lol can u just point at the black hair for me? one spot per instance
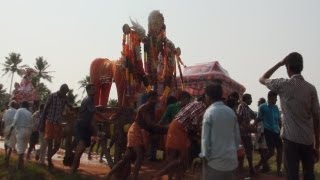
(246, 96)
(171, 100)
(214, 91)
(272, 94)
(89, 86)
(294, 62)
(261, 101)
(64, 87)
(25, 104)
(234, 94)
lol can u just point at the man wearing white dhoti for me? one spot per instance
(23, 125)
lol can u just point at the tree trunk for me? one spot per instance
(11, 83)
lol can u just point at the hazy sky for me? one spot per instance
(247, 37)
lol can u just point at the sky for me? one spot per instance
(247, 37)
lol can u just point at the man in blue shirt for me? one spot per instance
(86, 126)
(269, 114)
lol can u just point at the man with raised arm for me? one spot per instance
(300, 107)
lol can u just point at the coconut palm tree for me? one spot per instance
(83, 83)
(11, 66)
(41, 67)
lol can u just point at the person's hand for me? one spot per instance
(283, 62)
(316, 155)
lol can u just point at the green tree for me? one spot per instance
(113, 103)
(11, 66)
(43, 92)
(4, 97)
(83, 83)
(72, 98)
(41, 67)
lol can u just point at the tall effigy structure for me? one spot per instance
(129, 73)
(156, 69)
(159, 54)
(25, 91)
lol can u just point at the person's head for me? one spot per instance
(247, 98)
(90, 88)
(234, 95)
(233, 99)
(152, 97)
(294, 63)
(213, 92)
(261, 101)
(25, 104)
(16, 85)
(64, 89)
(184, 98)
(272, 97)
(14, 104)
(171, 100)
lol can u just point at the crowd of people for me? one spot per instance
(211, 127)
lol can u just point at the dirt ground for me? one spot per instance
(98, 170)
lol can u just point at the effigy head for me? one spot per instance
(138, 28)
(126, 29)
(155, 23)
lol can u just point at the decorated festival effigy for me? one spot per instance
(148, 62)
(25, 91)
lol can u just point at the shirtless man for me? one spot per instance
(138, 138)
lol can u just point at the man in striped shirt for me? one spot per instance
(245, 115)
(51, 119)
(186, 122)
(300, 107)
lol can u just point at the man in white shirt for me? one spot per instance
(220, 137)
(23, 125)
(9, 143)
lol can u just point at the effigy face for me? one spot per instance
(160, 54)
(155, 23)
